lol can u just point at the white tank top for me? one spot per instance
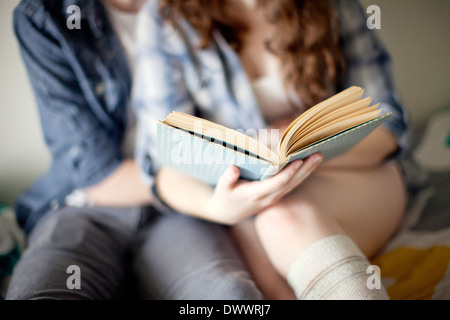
(274, 101)
(124, 24)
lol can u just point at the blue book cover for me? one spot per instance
(207, 160)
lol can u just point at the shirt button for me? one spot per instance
(54, 204)
(100, 89)
(110, 54)
(74, 152)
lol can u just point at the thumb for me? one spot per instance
(229, 177)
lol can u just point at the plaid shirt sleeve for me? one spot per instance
(369, 66)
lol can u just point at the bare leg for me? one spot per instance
(367, 205)
(269, 281)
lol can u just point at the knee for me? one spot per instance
(62, 229)
(287, 214)
(34, 279)
(213, 282)
(239, 287)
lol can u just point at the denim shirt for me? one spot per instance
(172, 73)
(82, 85)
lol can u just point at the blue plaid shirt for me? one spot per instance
(173, 75)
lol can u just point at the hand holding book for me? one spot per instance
(234, 200)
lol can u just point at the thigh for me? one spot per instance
(180, 257)
(367, 204)
(95, 240)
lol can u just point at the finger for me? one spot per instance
(229, 178)
(260, 189)
(308, 167)
(310, 164)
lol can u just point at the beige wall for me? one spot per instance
(415, 31)
(417, 34)
(23, 156)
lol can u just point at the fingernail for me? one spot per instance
(297, 164)
(318, 161)
(234, 173)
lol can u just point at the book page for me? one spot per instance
(229, 136)
(346, 97)
(333, 119)
(333, 129)
(361, 105)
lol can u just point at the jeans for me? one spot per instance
(132, 253)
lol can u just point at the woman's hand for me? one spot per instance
(234, 200)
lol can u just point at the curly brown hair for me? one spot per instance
(306, 38)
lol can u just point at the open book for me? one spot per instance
(204, 150)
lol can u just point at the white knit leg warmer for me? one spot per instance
(333, 268)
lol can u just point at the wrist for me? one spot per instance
(213, 210)
(209, 207)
